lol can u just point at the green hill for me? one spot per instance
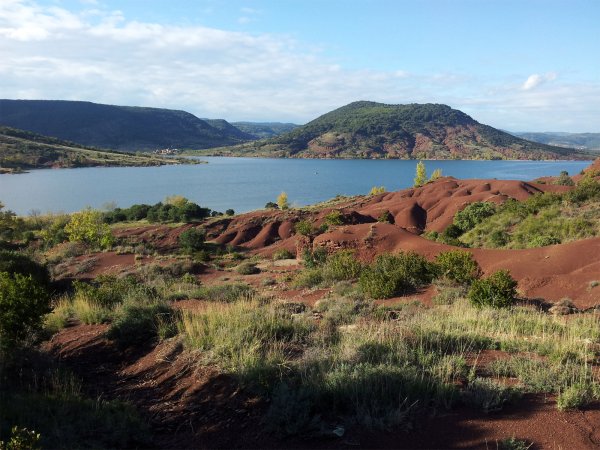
(418, 131)
(116, 127)
(21, 150)
(263, 130)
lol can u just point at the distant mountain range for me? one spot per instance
(580, 141)
(419, 131)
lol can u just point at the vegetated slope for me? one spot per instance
(21, 150)
(115, 127)
(230, 129)
(419, 131)
(263, 130)
(580, 141)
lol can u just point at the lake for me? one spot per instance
(243, 184)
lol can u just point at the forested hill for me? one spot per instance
(117, 127)
(21, 150)
(420, 131)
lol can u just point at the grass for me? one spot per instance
(51, 403)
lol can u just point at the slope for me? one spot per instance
(414, 131)
(115, 127)
(21, 150)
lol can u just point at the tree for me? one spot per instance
(87, 226)
(421, 174)
(437, 173)
(282, 201)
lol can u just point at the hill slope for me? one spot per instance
(20, 150)
(116, 127)
(580, 141)
(418, 131)
(263, 130)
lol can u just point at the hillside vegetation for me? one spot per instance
(117, 127)
(22, 150)
(263, 130)
(418, 131)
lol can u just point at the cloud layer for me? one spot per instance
(102, 56)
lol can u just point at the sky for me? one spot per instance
(518, 65)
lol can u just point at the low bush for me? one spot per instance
(308, 278)
(304, 227)
(283, 254)
(340, 266)
(498, 290)
(574, 396)
(488, 395)
(14, 262)
(398, 274)
(192, 240)
(137, 323)
(23, 304)
(334, 218)
(247, 268)
(315, 258)
(458, 266)
(473, 214)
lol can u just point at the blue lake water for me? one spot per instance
(243, 184)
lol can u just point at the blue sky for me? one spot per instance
(518, 65)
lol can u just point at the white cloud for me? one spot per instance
(532, 81)
(102, 56)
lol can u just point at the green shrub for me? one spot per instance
(514, 444)
(137, 323)
(23, 304)
(22, 439)
(385, 217)
(303, 227)
(543, 241)
(14, 262)
(308, 278)
(458, 265)
(574, 396)
(498, 290)
(392, 275)
(587, 189)
(247, 268)
(192, 240)
(315, 258)
(488, 395)
(88, 226)
(283, 254)
(473, 214)
(334, 218)
(340, 266)
(564, 179)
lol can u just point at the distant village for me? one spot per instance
(167, 151)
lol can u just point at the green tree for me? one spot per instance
(282, 201)
(437, 173)
(88, 226)
(421, 174)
